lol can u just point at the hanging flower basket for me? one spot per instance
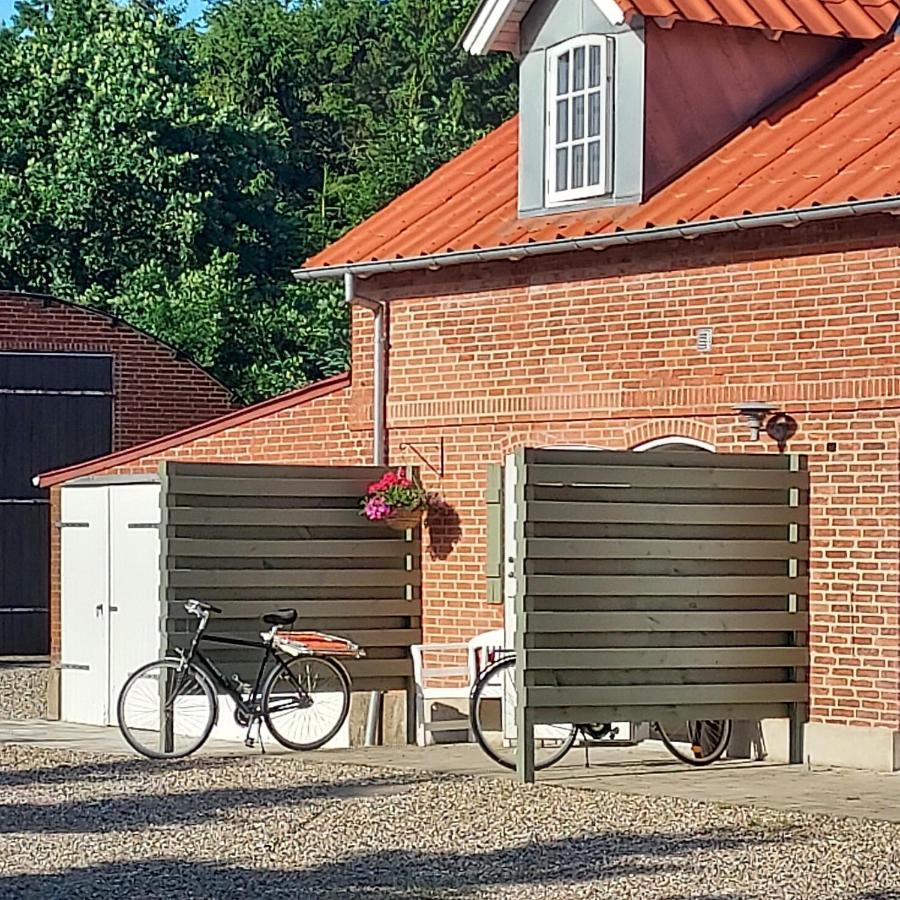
(397, 501)
(401, 519)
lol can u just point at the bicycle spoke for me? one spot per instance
(306, 702)
(492, 715)
(166, 710)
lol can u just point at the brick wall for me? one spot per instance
(317, 432)
(600, 349)
(155, 392)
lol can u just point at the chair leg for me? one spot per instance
(420, 720)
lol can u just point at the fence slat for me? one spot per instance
(265, 470)
(308, 609)
(293, 517)
(631, 548)
(658, 713)
(657, 458)
(671, 585)
(639, 695)
(537, 623)
(250, 578)
(366, 637)
(665, 513)
(667, 658)
(667, 477)
(318, 549)
(272, 487)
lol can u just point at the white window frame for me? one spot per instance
(607, 62)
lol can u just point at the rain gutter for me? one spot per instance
(514, 252)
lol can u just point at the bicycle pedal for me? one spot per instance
(249, 742)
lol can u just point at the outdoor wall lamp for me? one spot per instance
(778, 425)
(755, 412)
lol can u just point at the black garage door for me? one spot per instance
(55, 410)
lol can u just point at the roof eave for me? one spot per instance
(687, 231)
(288, 400)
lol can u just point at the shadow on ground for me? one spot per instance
(398, 873)
(137, 811)
(110, 770)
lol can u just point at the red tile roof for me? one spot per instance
(297, 397)
(852, 18)
(833, 142)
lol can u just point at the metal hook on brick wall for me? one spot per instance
(418, 451)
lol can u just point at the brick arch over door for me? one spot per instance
(674, 442)
(672, 430)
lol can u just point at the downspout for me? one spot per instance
(379, 444)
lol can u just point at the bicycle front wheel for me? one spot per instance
(699, 743)
(305, 701)
(492, 713)
(167, 709)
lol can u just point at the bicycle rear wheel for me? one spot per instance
(706, 741)
(166, 709)
(492, 716)
(305, 701)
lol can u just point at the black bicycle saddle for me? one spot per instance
(280, 617)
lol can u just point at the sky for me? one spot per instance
(194, 9)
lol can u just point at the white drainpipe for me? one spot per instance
(379, 444)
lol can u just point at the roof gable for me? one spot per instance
(834, 142)
(495, 23)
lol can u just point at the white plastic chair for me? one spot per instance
(479, 652)
(484, 649)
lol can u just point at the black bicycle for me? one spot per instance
(168, 707)
(492, 705)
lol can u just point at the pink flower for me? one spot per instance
(376, 509)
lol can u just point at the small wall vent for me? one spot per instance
(704, 339)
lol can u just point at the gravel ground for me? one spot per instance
(76, 826)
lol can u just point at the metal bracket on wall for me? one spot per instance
(420, 449)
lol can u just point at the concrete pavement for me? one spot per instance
(643, 770)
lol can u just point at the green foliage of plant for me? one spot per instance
(174, 174)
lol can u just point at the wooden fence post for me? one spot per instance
(524, 716)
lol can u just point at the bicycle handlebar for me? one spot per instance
(196, 606)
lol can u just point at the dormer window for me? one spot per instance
(579, 104)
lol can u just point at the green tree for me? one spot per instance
(174, 175)
(371, 96)
(122, 186)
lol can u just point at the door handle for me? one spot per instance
(114, 609)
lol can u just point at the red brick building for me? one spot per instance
(156, 389)
(74, 382)
(696, 208)
(757, 207)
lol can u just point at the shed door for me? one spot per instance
(134, 631)
(55, 410)
(85, 595)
